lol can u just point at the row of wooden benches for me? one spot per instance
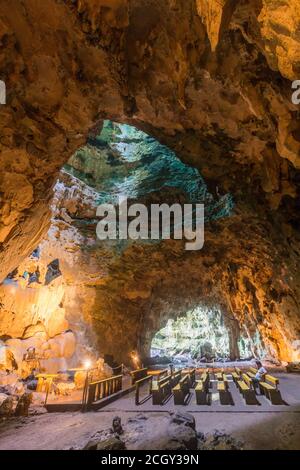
(179, 385)
(244, 382)
(268, 386)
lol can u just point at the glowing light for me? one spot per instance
(135, 359)
(87, 364)
(12, 290)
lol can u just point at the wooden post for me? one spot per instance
(137, 394)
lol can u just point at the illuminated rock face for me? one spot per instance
(200, 333)
(211, 81)
(115, 296)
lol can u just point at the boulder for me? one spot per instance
(219, 440)
(181, 437)
(23, 404)
(19, 388)
(6, 404)
(293, 367)
(111, 443)
(183, 418)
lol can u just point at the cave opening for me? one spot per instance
(204, 334)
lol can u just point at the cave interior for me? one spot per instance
(174, 102)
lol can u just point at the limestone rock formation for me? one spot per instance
(226, 109)
(6, 405)
(212, 80)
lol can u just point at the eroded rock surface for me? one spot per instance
(114, 296)
(176, 432)
(210, 79)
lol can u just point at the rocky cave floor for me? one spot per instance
(238, 427)
(154, 431)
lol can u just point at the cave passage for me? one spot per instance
(201, 335)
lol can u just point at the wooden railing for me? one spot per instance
(162, 374)
(138, 374)
(138, 385)
(118, 370)
(95, 391)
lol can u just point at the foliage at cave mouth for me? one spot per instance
(200, 334)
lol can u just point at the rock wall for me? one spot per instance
(114, 298)
(226, 109)
(210, 79)
(39, 304)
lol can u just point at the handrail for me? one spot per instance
(138, 374)
(99, 389)
(121, 367)
(164, 372)
(158, 375)
(138, 370)
(139, 383)
(95, 382)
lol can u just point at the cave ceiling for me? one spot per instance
(209, 79)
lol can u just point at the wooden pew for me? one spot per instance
(201, 393)
(181, 390)
(247, 380)
(192, 374)
(252, 372)
(235, 377)
(237, 374)
(175, 377)
(202, 389)
(219, 375)
(138, 374)
(205, 380)
(224, 394)
(270, 390)
(161, 390)
(244, 385)
(139, 383)
(274, 380)
(162, 373)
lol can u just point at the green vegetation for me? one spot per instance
(201, 332)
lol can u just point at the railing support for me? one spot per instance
(94, 391)
(138, 385)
